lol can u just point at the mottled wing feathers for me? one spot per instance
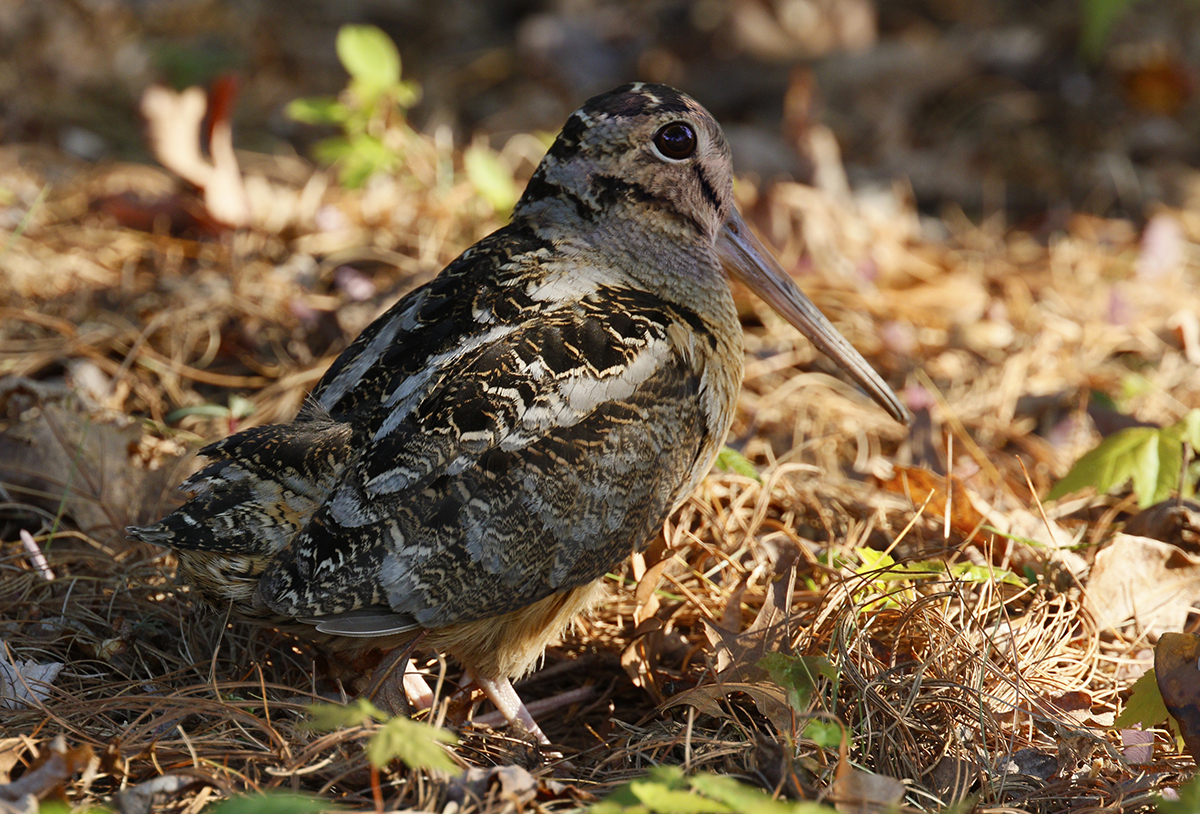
(519, 473)
(402, 354)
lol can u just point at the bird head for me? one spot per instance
(648, 158)
(644, 152)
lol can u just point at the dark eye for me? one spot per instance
(676, 140)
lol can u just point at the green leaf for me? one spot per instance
(903, 572)
(328, 717)
(621, 800)
(1150, 456)
(406, 94)
(824, 733)
(730, 460)
(400, 738)
(659, 798)
(490, 177)
(358, 157)
(1099, 16)
(985, 574)
(414, 743)
(1189, 429)
(873, 560)
(317, 110)
(332, 150)
(739, 796)
(665, 790)
(1145, 705)
(797, 675)
(370, 57)
(272, 803)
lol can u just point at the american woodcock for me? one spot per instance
(476, 461)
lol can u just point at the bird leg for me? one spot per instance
(501, 693)
(544, 706)
(416, 688)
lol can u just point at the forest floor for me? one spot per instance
(973, 639)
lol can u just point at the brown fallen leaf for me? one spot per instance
(1147, 582)
(1177, 669)
(739, 654)
(935, 492)
(1173, 521)
(859, 792)
(177, 215)
(57, 455)
(25, 683)
(49, 772)
(174, 125)
(768, 697)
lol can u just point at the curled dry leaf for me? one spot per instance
(1177, 669)
(1173, 521)
(174, 122)
(49, 772)
(938, 496)
(55, 453)
(739, 655)
(859, 792)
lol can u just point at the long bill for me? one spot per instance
(745, 257)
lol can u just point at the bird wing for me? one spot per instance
(508, 465)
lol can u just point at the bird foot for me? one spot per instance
(501, 693)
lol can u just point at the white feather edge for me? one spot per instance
(363, 623)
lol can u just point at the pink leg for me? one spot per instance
(416, 688)
(510, 705)
(544, 706)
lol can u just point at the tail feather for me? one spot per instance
(260, 492)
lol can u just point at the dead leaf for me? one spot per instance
(935, 493)
(739, 654)
(859, 792)
(174, 122)
(953, 777)
(1034, 763)
(1144, 581)
(1137, 746)
(640, 657)
(25, 683)
(142, 798)
(1177, 669)
(10, 755)
(768, 697)
(1173, 521)
(57, 455)
(49, 772)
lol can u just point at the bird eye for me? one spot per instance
(676, 140)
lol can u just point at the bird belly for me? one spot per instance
(509, 645)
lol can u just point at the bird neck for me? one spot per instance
(629, 247)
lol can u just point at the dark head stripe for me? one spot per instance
(638, 99)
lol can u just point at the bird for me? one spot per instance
(472, 465)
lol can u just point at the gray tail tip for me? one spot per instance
(144, 534)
